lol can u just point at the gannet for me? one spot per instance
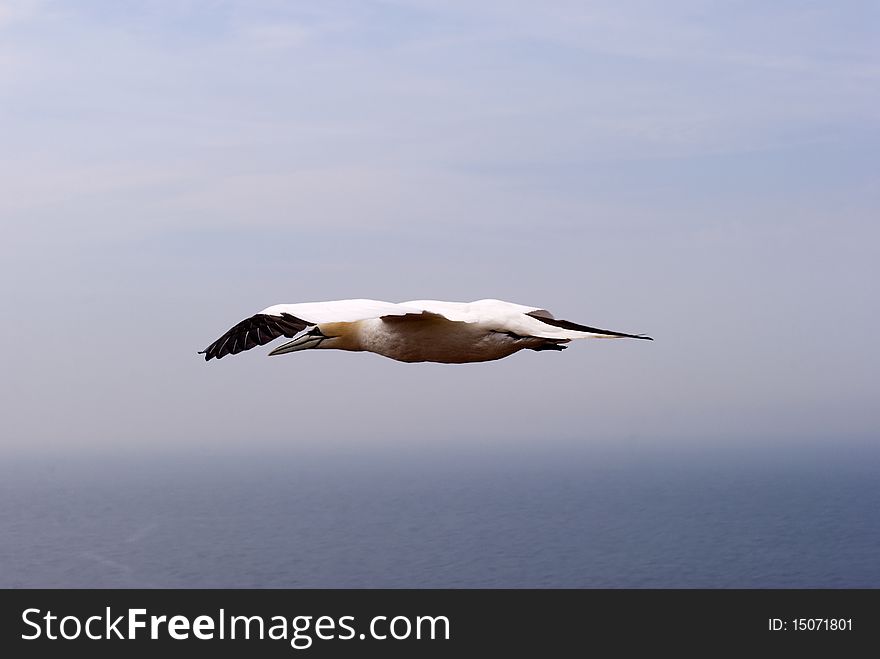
(414, 331)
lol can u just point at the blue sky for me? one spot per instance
(704, 172)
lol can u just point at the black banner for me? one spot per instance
(431, 622)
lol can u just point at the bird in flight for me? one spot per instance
(416, 331)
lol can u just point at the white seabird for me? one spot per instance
(415, 331)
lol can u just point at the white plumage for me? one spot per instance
(415, 331)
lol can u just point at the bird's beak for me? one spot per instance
(309, 338)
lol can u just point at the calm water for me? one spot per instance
(561, 516)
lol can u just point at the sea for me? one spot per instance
(529, 514)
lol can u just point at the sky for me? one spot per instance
(704, 172)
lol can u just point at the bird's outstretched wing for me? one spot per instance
(475, 312)
(341, 311)
(290, 319)
(257, 330)
(517, 318)
(576, 327)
